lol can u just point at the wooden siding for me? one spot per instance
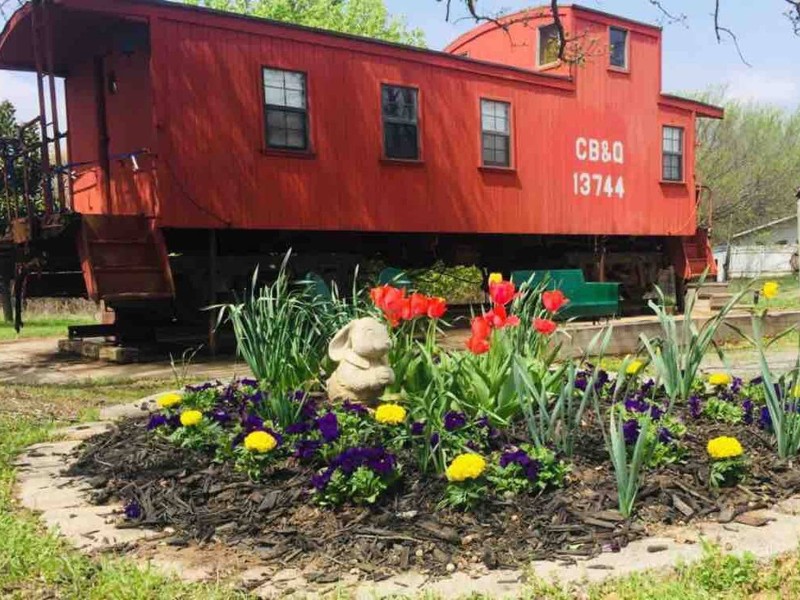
(211, 169)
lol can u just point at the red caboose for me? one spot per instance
(201, 142)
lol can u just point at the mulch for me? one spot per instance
(277, 524)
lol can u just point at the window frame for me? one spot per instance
(539, 63)
(627, 66)
(510, 135)
(681, 154)
(417, 122)
(307, 149)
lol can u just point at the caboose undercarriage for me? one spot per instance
(152, 278)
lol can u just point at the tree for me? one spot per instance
(369, 18)
(791, 12)
(750, 160)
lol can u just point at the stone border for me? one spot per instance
(63, 504)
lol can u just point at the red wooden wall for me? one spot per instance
(208, 166)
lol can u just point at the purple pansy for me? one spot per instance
(133, 510)
(156, 421)
(764, 418)
(328, 426)
(417, 428)
(520, 457)
(747, 408)
(695, 408)
(219, 415)
(298, 428)
(665, 436)
(630, 430)
(306, 449)
(355, 407)
(454, 420)
(376, 459)
(252, 422)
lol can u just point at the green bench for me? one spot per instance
(394, 277)
(586, 298)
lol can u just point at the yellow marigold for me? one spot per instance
(770, 289)
(724, 447)
(796, 391)
(390, 414)
(190, 418)
(634, 367)
(495, 277)
(169, 400)
(719, 379)
(260, 441)
(466, 466)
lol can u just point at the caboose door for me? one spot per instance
(128, 107)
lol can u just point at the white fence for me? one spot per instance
(756, 261)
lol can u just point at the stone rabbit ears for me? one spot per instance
(341, 346)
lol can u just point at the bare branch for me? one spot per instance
(719, 30)
(670, 17)
(562, 38)
(793, 14)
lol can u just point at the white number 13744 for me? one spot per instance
(595, 184)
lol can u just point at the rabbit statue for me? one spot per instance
(361, 348)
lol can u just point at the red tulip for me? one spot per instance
(393, 299)
(498, 317)
(544, 326)
(436, 307)
(553, 300)
(419, 305)
(501, 292)
(477, 345)
(480, 328)
(378, 295)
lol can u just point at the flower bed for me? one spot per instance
(495, 455)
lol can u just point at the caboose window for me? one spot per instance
(548, 45)
(286, 109)
(400, 132)
(618, 47)
(496, 133)
(672, 154)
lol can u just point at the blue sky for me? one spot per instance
(693, 60)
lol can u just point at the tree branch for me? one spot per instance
(719, 30)
(670, 17)
(793, 14)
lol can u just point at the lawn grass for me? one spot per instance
(35, 563)
(41, 326)
(788, 293)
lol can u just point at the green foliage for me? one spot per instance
(482, 383)
(368, 18)
(727, 472)
(464, 495)
(750, 159)
(628, 471)
(512, 480)
(253, 464)
(782, 403)
(282, 337)
(459, 284)
(676, 355)
(723, 411)
(551, 403)
(17, 178)
(205, 435)
(363, 486)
